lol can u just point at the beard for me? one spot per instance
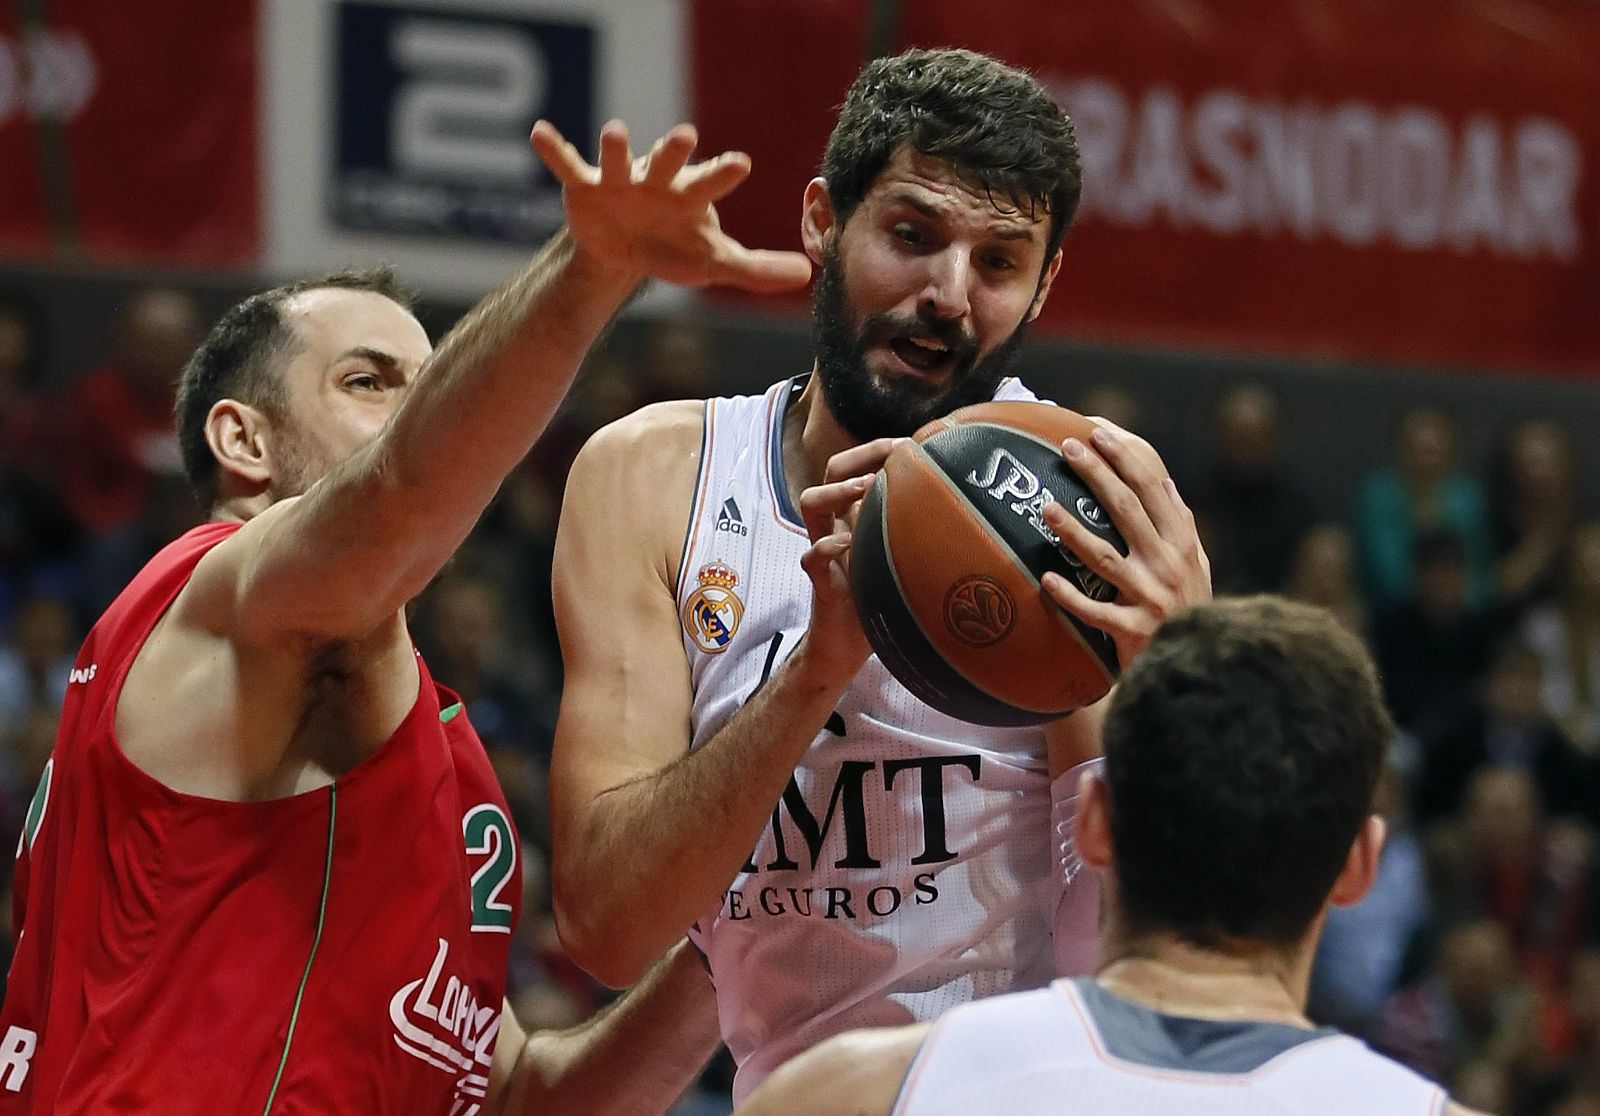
(293, 473)
(895, 406)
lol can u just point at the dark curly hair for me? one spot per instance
(240, 358)
(1243, 749)
(994, 124)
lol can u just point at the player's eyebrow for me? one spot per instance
(387, 361)
(935, 213)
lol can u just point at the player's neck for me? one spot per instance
(811, 435)
(1174, 977)
(240, 507)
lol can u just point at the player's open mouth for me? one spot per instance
(927, 356)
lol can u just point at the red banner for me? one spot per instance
(128, 134)
(1415, 183)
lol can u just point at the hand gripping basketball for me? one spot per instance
(834, 643)
(655, 216)
(1165, 569)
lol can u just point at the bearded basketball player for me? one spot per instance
(739, 763)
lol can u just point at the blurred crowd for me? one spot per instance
(1476, 585)
(1475, 959)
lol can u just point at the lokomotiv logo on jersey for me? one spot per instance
(438, 1020)
(712, 613)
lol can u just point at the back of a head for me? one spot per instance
(1242, 753)
(997, 126)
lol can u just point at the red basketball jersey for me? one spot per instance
(339, 951)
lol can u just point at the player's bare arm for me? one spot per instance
(633, 1058)
(855, 1074)
(646, 833)
(364, 542)
(308, 594)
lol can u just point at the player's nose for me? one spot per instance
(945, 293)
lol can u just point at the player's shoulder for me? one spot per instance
(656, 437)
(858, 1071)
(1344, 1074)
(641, 469)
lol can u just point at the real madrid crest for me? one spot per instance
(712, 613)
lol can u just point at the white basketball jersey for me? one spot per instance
(907, 868)
(1074, 1047)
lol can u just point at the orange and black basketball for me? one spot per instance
(948, 553)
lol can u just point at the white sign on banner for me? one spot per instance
(397, 130)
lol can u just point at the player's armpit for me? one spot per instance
(633, 1058)
(855, 1074)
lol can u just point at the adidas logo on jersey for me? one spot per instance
(730, 520)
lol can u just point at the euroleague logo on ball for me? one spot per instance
(978, 611)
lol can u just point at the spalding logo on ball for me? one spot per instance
(948, 553)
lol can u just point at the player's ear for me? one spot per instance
(1045, 279)
(817, 219)
(1361, 865)
(1091, 825)
(240, 439)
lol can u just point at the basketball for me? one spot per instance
(949, 550)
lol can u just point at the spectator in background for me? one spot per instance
(1485, 1087)
(25, 418)
(462, 631)
(1433, 646)
(1364, 946)
(677, 360)
(1569, 1057)
(1115, 405)
(34, 667)
(121, 436)
(1565, 633)
(1502, 860)
(1471, 1015)
(38, 538)
(1504, 725)
(1533, 508)
(1253, 517)
(1323, 572)
(520, 526)
(1422, 491)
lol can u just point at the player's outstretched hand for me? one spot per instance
(655, 216)
(834, 642)
(1165, 569)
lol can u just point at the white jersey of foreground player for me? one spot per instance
(907, 868)
(1075, 1047)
